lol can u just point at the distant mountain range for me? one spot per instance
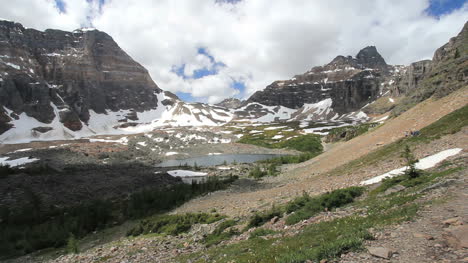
(63, 85)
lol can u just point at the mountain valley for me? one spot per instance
(85, 133)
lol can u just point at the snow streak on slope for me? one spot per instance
(422, 164)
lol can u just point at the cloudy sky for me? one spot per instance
(207, 50)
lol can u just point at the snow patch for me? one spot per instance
(422, 164)
(16, 162)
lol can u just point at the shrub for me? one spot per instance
(259, 219)
(305, 207)
(172, 224)
(297, 203)
(220, 233)
(257, 172)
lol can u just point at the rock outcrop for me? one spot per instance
(230, 103)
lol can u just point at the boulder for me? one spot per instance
(381, 252)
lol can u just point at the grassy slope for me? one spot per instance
(448, 124)
(330, 239)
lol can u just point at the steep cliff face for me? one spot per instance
(75, 71)
(59, 84)
(409, 78)
(447, 72)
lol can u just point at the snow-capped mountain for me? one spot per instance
(60, 85)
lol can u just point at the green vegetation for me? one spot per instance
(172, 224)
(317, 241)
(407, 181)
(449, 124)
(257, 172)
(259, 219)
(310, 145)
(149, 201)
(348, 132)
(411, 161)
(305, 143)
(72, 245)
(260, 232)
(33, 227)
(221, 233)
(328, 239)
(265, 170)
(306, 207)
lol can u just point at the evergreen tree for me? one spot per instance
(411, 161)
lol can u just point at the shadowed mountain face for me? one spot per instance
(73, 71)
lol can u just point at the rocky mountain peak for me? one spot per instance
(369, 57)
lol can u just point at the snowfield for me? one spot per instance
(185, 173)
(422, 164)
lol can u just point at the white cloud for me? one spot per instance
(259, 41)
(44, 14)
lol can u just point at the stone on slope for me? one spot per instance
(380, 252)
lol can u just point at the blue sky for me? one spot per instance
(442, 7)
(203, 72)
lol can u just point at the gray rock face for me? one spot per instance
(411, 77)
(230, 103)
(349, 82)
(42, 73)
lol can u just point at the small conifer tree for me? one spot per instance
(411, 161)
